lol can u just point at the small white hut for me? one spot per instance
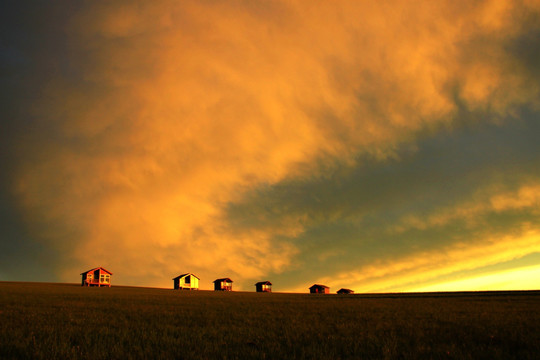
(186, 282)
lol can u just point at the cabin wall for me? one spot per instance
(181, 283)
(263, 288)
(104, 278)
(194, 282)
(318, 290)
(87, 277)
(223, 286)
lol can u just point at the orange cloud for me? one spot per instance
(177, 108)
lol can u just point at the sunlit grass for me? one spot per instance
(50, 321)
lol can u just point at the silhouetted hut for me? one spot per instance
(263, 286)
(224, 284)
(186, 282)
(319, 289)
(345, 291)
(96, 277)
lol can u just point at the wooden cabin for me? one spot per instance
(186, 282)
(96, 277)
(319, 289)
(224, 284)
(263, 286)
(345, 291)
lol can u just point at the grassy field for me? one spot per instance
(64, 321)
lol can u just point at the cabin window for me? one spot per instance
(89, 276)
(105, 278)
(187, 280)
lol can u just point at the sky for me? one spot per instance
(383, 146)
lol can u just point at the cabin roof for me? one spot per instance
(264, 283)
(99, 267)
(184, 275)
(318, 285)
(223, 279)
(345, 290)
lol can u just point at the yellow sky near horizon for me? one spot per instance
(514, 279)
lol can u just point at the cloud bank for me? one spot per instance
(241, 139)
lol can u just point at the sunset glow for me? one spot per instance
(376, 146)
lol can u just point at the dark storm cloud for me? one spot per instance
(348, 212)
(32, 52)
